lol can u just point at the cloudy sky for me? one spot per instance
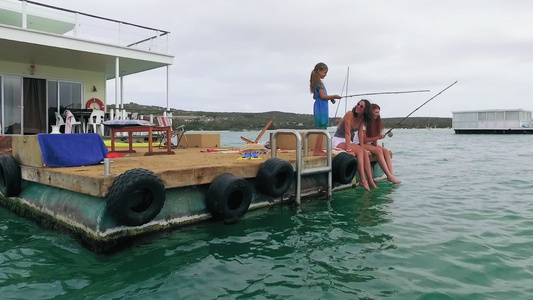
(257, 55)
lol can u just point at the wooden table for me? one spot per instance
(131, 129)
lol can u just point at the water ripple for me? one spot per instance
(458, 227)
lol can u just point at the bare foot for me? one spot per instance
(365, 185)
(373, 184)
(320, 153)
(393, 180)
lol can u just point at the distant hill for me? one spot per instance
(238, 121)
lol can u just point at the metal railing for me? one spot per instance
(299, 157)
(65, 22)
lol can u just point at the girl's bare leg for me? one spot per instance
(348, 149)
(388, 159)
(319, 146)
(360, 153)
(378, 151)
(368, 169)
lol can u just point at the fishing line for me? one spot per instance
(343, 85)
(378, 93)
(389, 133)
(382, 93)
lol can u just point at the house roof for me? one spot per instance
(51, 37)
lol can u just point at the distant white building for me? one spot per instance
(515, 121)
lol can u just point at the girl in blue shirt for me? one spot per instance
(320, 109)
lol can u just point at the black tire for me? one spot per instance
(274, 177)
(136, 197)
(10, 177)
(344, 167)
(228, 197)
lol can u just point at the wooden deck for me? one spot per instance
(187, 167)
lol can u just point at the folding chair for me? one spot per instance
(179, 132)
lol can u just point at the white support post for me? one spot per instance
(117, 81)
(168, 84)
(24, 15)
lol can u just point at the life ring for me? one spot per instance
(95, 102)
(136, 197)
(228, 197)
(274, 177)
(343, 168)
(10, 176)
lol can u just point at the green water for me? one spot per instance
(459, 226)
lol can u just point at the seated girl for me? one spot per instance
(353, 122)
(373, 134)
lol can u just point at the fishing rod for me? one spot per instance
(389, 133)
(377, 93)
(382, 93)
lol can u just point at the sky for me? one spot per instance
(257, 55)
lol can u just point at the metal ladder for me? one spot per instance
(299, 170)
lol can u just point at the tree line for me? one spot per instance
(238, 121)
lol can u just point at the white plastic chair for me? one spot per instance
(59, 120)
(71, 124)
(96, 119)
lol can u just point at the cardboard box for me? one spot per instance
(201, 140)
(288, 141)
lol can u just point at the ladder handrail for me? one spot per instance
(299, 173)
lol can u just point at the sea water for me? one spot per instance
(459, 226)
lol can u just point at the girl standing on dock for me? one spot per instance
(383, 155)
(320, 109)
(353, 123)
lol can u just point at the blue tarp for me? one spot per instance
(72, 150)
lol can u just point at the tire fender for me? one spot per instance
(228, 197)
(343, 168)
(10, 176)
(274, 177)
(136, 197)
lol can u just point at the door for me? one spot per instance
(34, 112)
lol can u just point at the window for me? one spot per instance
(70, 94)
(11, 105)
(64, 94)
(511, 115)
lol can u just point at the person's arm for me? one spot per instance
(362, 133)
(347, 132)
(323, 95)
(374, 139)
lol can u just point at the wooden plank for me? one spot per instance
(263, 131)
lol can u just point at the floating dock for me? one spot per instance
(106, 205)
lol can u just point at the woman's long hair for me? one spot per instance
(368, 114)
(315, 79)
(377, 126)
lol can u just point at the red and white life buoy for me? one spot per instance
(95, 103)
